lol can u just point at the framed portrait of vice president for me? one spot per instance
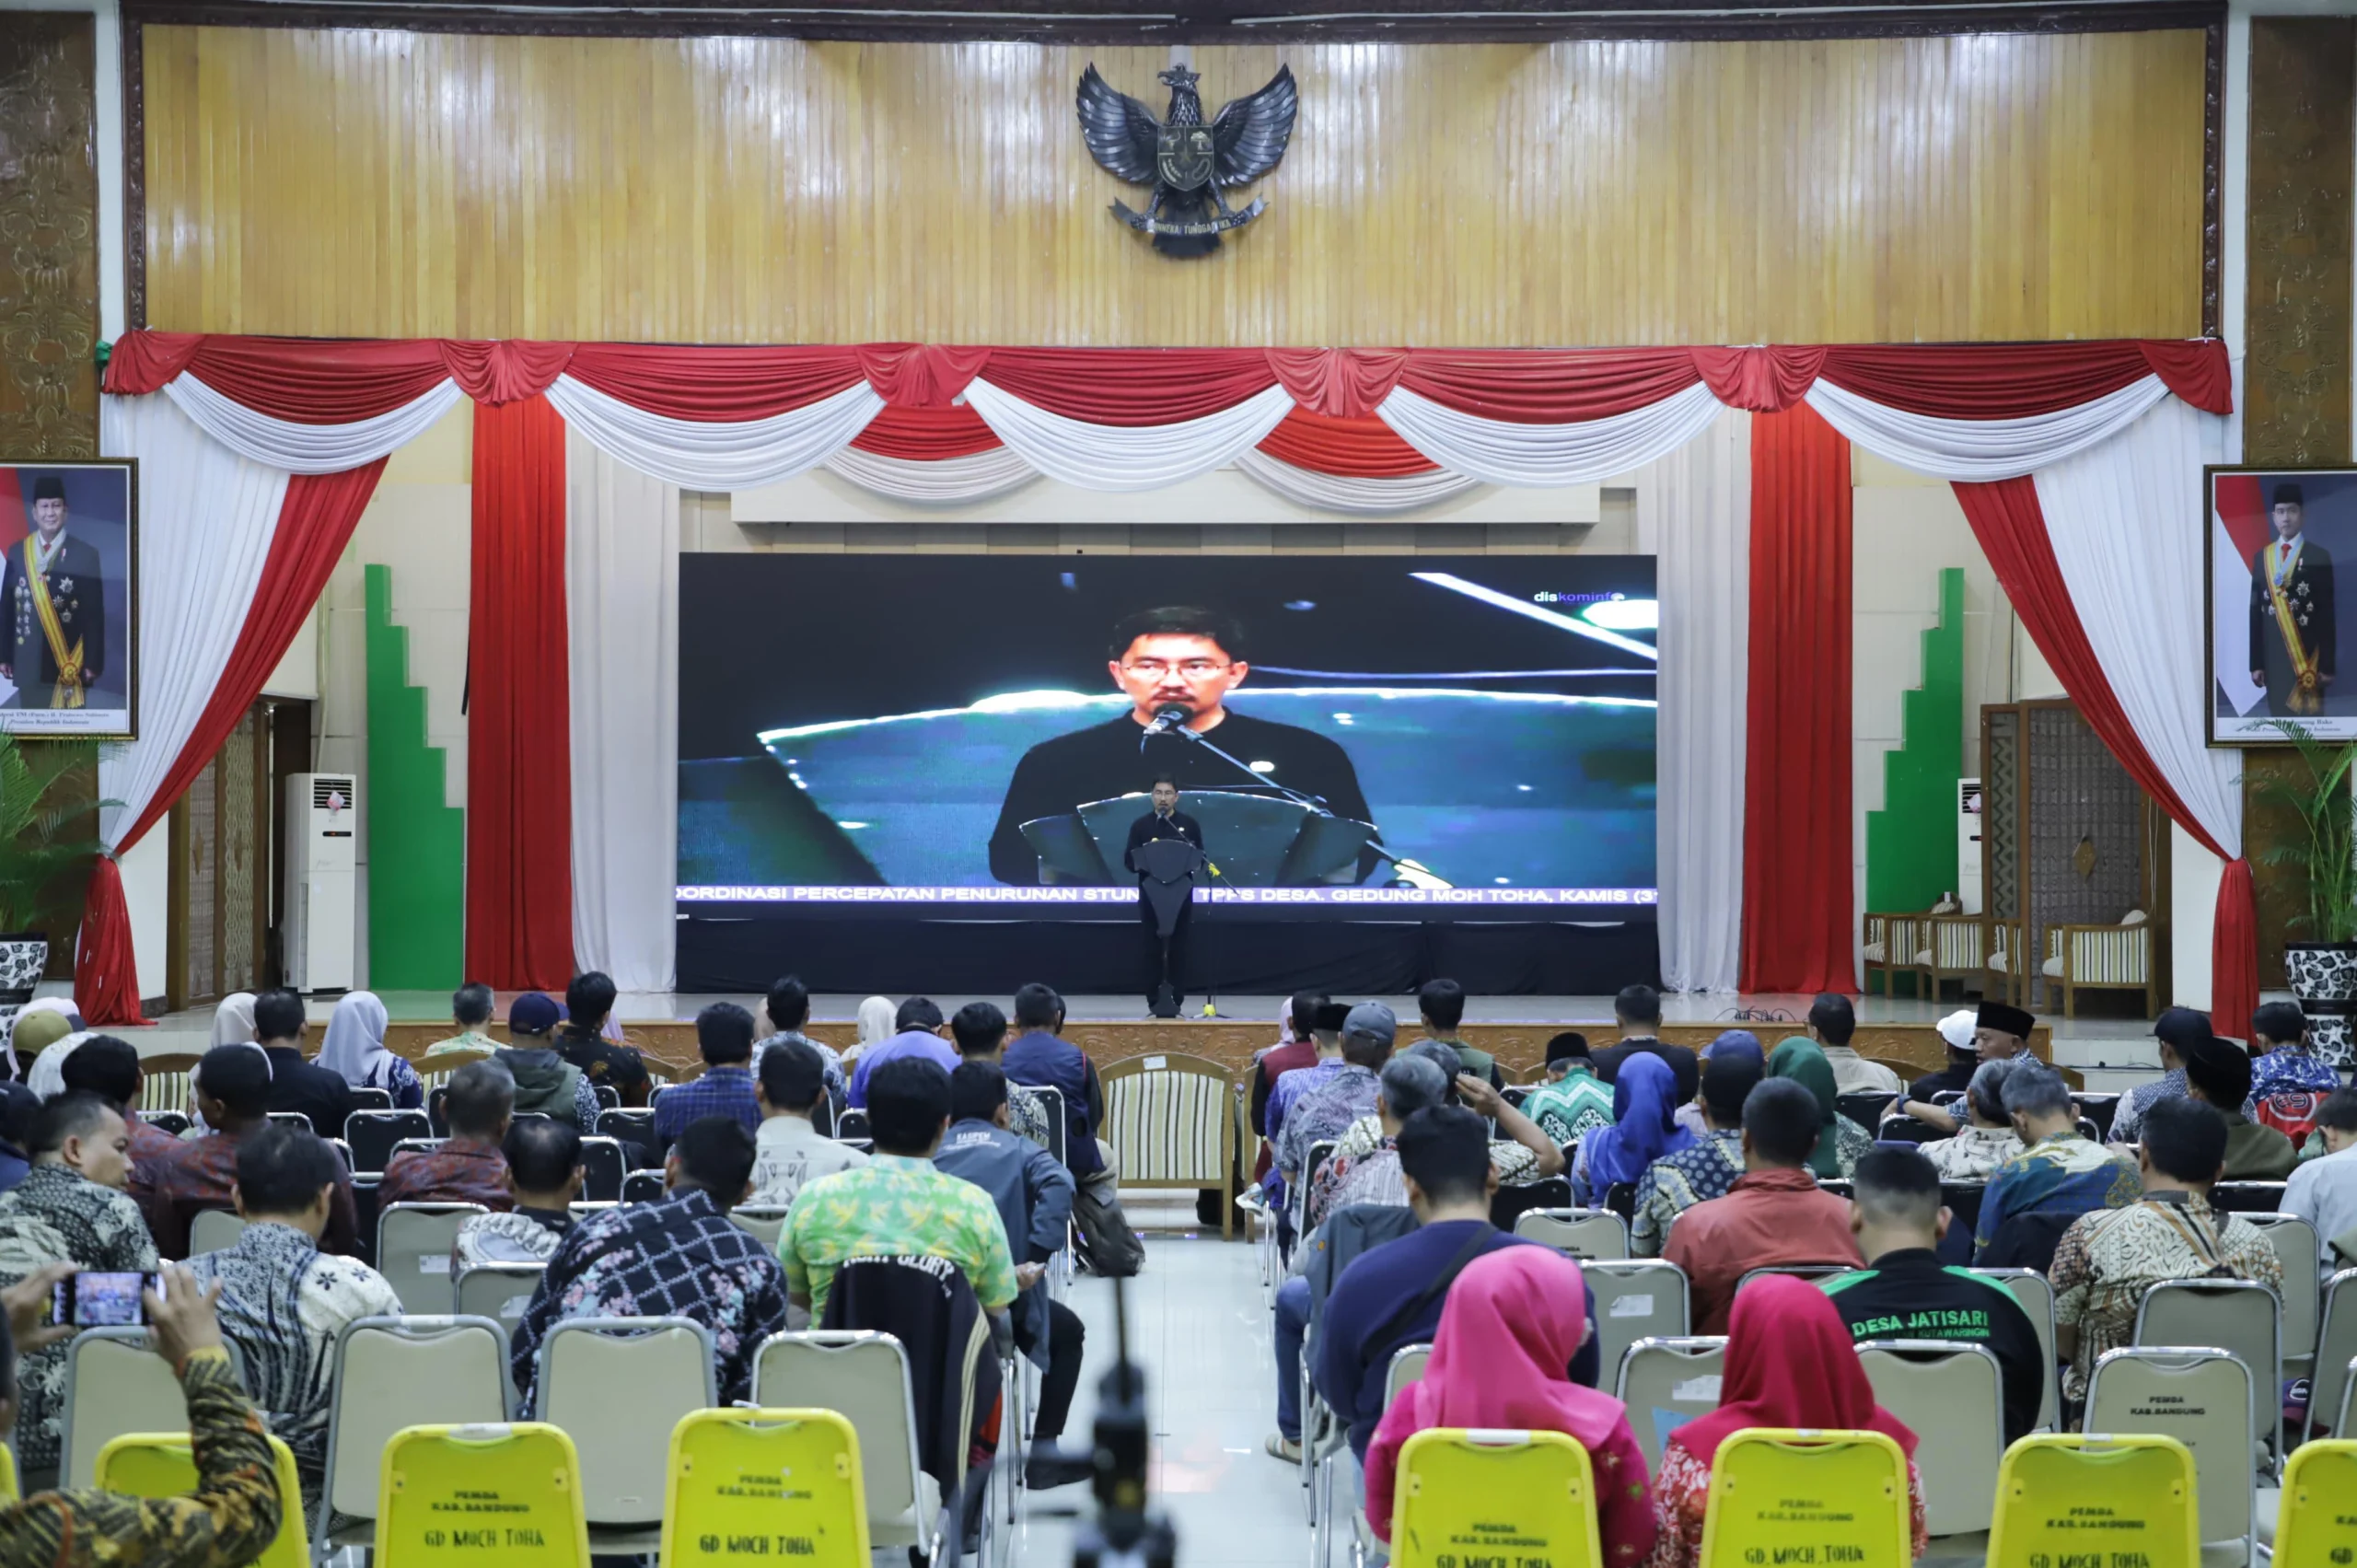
(69, 597)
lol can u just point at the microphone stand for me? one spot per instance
(1316, 803)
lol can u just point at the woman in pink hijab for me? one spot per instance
(1512, 1322)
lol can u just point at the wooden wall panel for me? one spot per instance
(49, 236)
(762, 190)
(2304, 89)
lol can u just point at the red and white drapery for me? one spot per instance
(2038, 438)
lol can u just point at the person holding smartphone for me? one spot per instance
(71, 1208)
(233, 1515)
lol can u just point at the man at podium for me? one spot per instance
(1165, 821)
(1178, 657)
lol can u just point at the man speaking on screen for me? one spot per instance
(1176, 657)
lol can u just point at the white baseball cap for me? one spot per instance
(1956, 1028)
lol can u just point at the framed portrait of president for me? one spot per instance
(69, 598)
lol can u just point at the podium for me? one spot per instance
(1167, 868)
(1257, 840)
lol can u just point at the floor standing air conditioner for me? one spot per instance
(322, 857)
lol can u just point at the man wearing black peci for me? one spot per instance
(1165, 821)
(1179, 658)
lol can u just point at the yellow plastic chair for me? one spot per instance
(2063, 1495)
(9, 1489)
(1773, 1491)
(2313, 1526)
(507, 1494)
(161, 1464)
(1527, 1496)
(782, 1483)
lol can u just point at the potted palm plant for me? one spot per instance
(46, 809)
(2322, 970)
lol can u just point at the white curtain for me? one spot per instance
(621, 572)
(1342, 492)
(1983, 449)
(2125, 520)
(1503, 452)
(1120, 458)
(945, 481)
(1694, 517)
(308, 449)
(697, 455)
(206, 518)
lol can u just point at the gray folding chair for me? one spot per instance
(1667, 1383)
(1585, 1234)
(2335, 1348)
(763, 1224)
(414, 1242)
(865, 1377)
(1953, 1395)
(1636, 1298)
(2036, 1299)
(213, 1230)
(2295, 1244)
(500, 1291)
(2202, 1397)
(1797, 1271)
(397, 1372)
(2241, 1317)
(617, 1386)
(116, 1383)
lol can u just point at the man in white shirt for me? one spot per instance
(789, 1151)
(1831, 1022)
(2323, 1192)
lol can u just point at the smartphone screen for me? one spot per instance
(95, 1300)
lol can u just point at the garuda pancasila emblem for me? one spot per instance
(1186, 161)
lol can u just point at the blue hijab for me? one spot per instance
(1645, 1107)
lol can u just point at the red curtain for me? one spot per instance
(2011, 526)
(519, 791)
(314, 523)
(1797, 854)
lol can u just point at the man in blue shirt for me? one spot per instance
(1391, 1296)
(914, 1026)
(1038, 1058)
(724, 1036)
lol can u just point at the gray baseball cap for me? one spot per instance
(1374, 1020)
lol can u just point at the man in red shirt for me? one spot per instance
(1775, 1213)
(1298, 1050)
(467, 1167)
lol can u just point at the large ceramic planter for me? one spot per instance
(23, 955)
(2323, 975)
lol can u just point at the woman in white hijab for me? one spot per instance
(356, 1052)
(876, 1017)
(233, 1021)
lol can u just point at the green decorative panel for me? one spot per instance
(417, 841)
(1910, 842)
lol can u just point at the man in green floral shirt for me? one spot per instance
(897, 1204)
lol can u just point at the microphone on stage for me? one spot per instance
(1165, 721)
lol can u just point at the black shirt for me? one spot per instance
(1949, 1080)
(1683, 1063)
(1104, 761)
(1911, 1296)
(1153, 826)
(314, 1091)
(603, 1061)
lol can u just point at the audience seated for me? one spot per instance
(2059, 1175)
(546, 1083)
(283, 1302)
(1524, 1155)
(679, 1257)
(1510, 1325)
(1326, 1040)
(470, 1008)
(543, 1158)
(234, 1513)
(109, 1068)
(45, 1036)
(1644, 1129)
(312, 1090)
(1905, 1292)
(899, 1203)
(2288, 1083)
(789, 1150)
(1370, 1173)
(1326, 1107)
(1391, 1294)
(724, 1040)
(1840, 1141)
(1789, 1364)
(354, 1050)
(232, 1088)
(1573, 1101)
(1774, 1213)
(70, 1208)
(2218, 1073)
(2323, 1190)
(980, 1031)
(916, 1031)
(1440, 1003)
(19, 1107)
(1297, 1048)
(787, 1008)
(2181, 1031)
(1987, 1139)
(1691, 1115)
(1638, 1011)
(1710, 1167)
(466, 1166)
(1959, 1029)
(1040, 1058)
(1831, 1022)
(2107, 1259)
(1033, 1192)
(580, 1039)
